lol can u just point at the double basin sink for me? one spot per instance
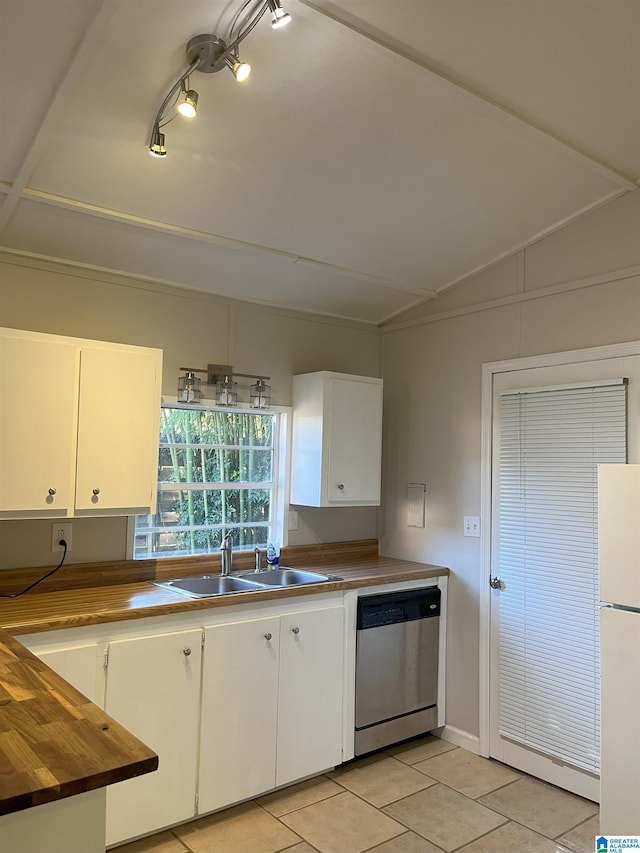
(204, 586)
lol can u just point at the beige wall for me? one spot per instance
(192, 329)
(432, 363)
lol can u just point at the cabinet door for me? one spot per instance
(37, 425)
(118, 429)
(153, 689)
(310, 693)
(77, 665)
(354, 442)
(239, 712)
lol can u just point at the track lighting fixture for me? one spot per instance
(156, 145)
(221, 377)
(279, 18)
(240, 70)
(188, 103)
(210, 53)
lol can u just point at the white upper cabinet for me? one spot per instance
(118, 428)
(337, 440)
(79, 426)
(38, 413)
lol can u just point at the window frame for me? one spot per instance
(281, 473)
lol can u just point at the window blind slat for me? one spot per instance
(551, 442)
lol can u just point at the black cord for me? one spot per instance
(44, 577)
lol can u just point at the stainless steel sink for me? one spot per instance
(287, 577)
(203, 586)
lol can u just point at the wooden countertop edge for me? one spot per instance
(170, 602)
(40, 715)
(29, 799)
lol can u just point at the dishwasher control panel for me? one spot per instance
(389, 609)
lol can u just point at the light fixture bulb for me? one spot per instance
(188, 106)
(241, 70)
(226, 393)
(279, 18)
(260, 395)
(156, 146)
(189, 388)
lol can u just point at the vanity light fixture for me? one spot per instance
(210, 53)
(221, 376)
(189, 388)
(260, 395)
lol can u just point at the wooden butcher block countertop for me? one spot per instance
(54, 742)
(111, 592)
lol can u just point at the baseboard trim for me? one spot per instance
(461, 738)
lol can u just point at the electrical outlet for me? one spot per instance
(60, 530)
(472, 525)
(293, 519)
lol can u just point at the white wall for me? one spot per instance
(560, 294)
(192, 329)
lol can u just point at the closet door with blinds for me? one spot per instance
(550, 444)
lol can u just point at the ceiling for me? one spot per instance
(380, 152)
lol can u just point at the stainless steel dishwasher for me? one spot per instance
(396, 667)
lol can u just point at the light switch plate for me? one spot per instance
(293, 519)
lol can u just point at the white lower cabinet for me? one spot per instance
(76, 664)
(272, 703)
(310, 693)
(239, 711)
(153, 689)
(258, 706)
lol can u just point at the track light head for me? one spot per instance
(156, 145)
(188, 104)
(240, 70)
(279, 18)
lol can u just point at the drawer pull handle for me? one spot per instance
(186, 652)
(295, 630)
(268, 636)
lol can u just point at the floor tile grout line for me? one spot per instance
(400, 835)
(582, 822)
(299, 808)
(180, 840)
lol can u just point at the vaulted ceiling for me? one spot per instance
(380, 152)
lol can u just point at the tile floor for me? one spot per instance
(426, 796)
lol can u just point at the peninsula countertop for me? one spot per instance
(54, 742)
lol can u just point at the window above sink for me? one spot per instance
(219, 470)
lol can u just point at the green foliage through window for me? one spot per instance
(215, 475)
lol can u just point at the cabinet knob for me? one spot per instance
(341, 486)
(268, 636)
(295, 630)
(96, 491)
(52, 492)
(186, 652)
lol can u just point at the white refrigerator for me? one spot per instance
(619, 556)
